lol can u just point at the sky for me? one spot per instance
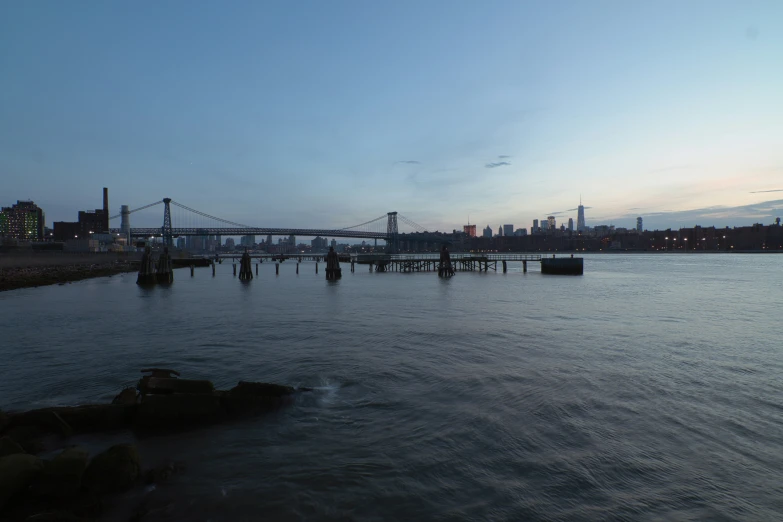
(331, 113)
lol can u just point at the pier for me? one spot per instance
(460, 261)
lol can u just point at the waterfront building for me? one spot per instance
(508, 230)
(534, 230)
(180, 243)
(23, 221)
(571, 224)
(470, 230)
(551, 223)
(488, 231)
(521, 232)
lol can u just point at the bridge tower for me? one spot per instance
(166, 230)
(391, 231)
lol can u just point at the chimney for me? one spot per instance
(105, 209)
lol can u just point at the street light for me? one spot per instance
(685, 245)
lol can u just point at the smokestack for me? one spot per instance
(105, 209)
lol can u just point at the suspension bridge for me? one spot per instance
(192, 222)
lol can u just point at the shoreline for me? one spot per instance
(14, 278)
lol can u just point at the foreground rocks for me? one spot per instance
(71, 486)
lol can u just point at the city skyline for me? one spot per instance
(506, 112)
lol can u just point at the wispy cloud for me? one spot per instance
(408, 162)
(503, 156)
(497, 164)
(763, 191)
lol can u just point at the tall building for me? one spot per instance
(180, 243)
(470, 230)
(551, 223)
(521, 232)
(500, 231)
(508, 230)
(535, 227)
(247, 241)
(125, 227)
(488, 231)
(571, 224)
(23, 221)
(580, 217)
(639, 227)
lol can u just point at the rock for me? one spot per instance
(160, 385)
(255, 397)
(28, 437)
(114, 470)
(162, 473)
(126, 396)
(3, 420)
(62, 477)
(178, 410)
(80, 419)
(55, 516)
(9, 447)
(17, 472)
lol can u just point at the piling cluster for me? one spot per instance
(151, 273)
(333, 270)
(245, 270)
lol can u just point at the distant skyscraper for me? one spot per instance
(508, 230)
(230, 243)
(181, 243)
(535, 226)
(580, 217)
(488, 231)
(500, 231)
(639, 227)
(571, 224)
(470, 230)
(551, 223)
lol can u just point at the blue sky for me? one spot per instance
(331, 113)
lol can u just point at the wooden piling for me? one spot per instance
(524, 266)
(256, 268)
(297, 268)
(316, 267)
(192, 270)
(213, 269)
(505, 268)
(235, 269)
(277, 268)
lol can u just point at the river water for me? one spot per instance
(649, 388)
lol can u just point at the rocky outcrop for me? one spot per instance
(178, 411)
(114, 470)
(17, 472)
(9, 447)
(61, 477)
(164, 403)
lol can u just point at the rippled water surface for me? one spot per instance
(649, 388)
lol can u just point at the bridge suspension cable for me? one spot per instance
(383, 217)
(203, 214)
(411, 223)
(137, 209)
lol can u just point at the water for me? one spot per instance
(649, 388)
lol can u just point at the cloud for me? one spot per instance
(718, 216)
(503, 156)
(497, 164)
(762, 191)
(408, 162)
